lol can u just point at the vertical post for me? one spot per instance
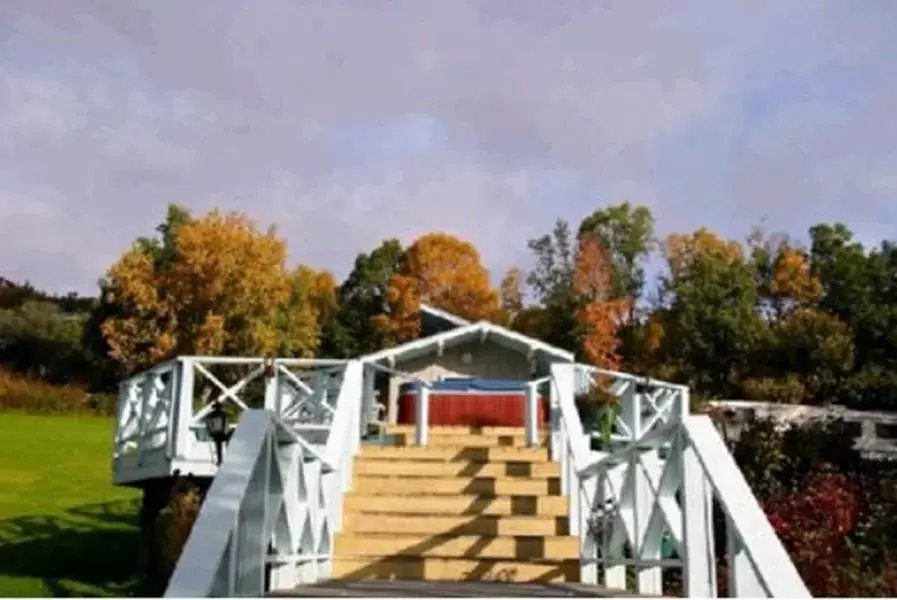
(631, 410)
(556, 441)
(573, 497)
(147, 393)
(272, 392)
(743, 581)
(184, 401)
(367, 400)
(531, 415)
(699, 561)
(650, 578)
(423, 414)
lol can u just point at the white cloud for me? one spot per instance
(348, 122)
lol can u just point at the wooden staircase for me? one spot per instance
(475, 504)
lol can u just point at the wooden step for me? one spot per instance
(454, 525)
(457, 504)
(485, 486)
(521, 548)
(373, 465)
(477, 437)
(469, 440)
(455, 453)
(454, 569)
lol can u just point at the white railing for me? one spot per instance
(161, 410)
(275, 504)
(655, 478)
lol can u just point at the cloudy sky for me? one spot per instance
(347, 122)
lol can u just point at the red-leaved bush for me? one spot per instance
(813, 524)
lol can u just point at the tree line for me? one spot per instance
(766, 318)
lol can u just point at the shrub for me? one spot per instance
(813, 524)
(31, 395)
(174, 526)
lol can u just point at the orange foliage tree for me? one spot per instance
(599, 314)
(444, 271)
(683, 250)
(792, 279)
(222, 288)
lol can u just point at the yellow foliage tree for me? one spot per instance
(224, 289)
(681, 250)
(444, 271)
(792, 279)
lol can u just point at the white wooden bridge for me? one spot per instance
(277, 501)
(303, 504)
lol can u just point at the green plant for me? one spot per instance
(598, 410)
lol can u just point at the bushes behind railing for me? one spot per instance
(30, 395)
(835, 512)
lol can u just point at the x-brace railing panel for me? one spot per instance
(144, 411)
(658, 483)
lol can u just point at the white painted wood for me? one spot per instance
(697, 515)
(531, 413)
(743, 579)
(775, 569)
(649, 578)
(422, 416)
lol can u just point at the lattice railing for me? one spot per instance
(652, 488)
(268, 520)
(164, 408)
(146, 403)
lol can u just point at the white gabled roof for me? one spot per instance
(443, 315)
(481, 330)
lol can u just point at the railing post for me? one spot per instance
(423, 414)
(184, 407)
(699, 561)
(147, 391)
(531, 415)
(557, 445)
(367, 400)
(272, 389)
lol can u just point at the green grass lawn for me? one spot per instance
(64, 529)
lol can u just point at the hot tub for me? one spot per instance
(473, 402)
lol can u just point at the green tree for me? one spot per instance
(552, 283)
(362, 296)
(710, 323)
(37, 338)
(627, 233)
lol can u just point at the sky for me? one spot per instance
(345, 123)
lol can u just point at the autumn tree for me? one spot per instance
(627, 234)
(710, 322)
(600, 313)
(511, 291)
(209, 285)
(443, 271)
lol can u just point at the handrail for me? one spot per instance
(272, 489)
(638, 498)
(776, 574)
(232, 529)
